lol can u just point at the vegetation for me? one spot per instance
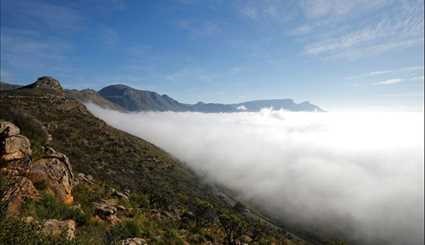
(168, 204)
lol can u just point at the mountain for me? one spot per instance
(277, 104)
(90, 95)
(124, 98)
(141, 100)
(64, 171)
(212, 107)
(7, 86)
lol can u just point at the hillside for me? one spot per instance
(7, 86)
(140, 100)
(166, 203)
(89, 95)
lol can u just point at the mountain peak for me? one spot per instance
(46, 82)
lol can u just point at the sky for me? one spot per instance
(340, 55)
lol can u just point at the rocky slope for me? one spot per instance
(67, 177)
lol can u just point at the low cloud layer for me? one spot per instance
(359, 175)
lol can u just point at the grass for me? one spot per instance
(49, 208)
(157, 181)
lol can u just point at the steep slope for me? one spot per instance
(91, 96)
(191, 210)
(140, 100)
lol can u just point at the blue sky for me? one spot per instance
(358, 54)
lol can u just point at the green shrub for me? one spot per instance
(14, 231)
(123, 230)
(49, 208)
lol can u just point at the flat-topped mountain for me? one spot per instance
(277, 104)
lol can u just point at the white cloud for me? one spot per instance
(399, 27)
(389, 81)
(326, 171)
(418, 78)
(241, 108)
(326, 8)
(402, 70)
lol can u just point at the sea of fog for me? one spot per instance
(360, 175)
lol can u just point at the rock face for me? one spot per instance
(57, 228)
(54, 170)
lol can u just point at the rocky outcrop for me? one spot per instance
(56, 228)
(54, 170)
(21, 173)
(46, 82)
(15, 165)
(20, 190)
(13, 145)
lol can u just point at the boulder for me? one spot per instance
(133, 241)
(119, 194)
(20, 190)
(245, 239)
(9, 129)
(55, 171)
(106, 207)
(56, 228)
(14, 147)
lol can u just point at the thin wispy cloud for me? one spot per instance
(389, 81)
(386, 72)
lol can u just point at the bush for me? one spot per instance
(49, 208)
(122, 231)
(14, 231)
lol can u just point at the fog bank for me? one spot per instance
(362, 173)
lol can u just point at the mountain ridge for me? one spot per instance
(139, 100)
(124, 98)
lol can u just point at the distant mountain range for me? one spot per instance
(124, 98)
(141, 100)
